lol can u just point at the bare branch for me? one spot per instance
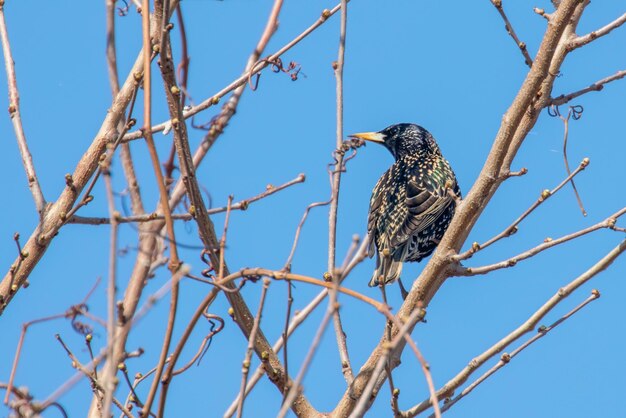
(573, 111)
(299, 318)
(402, 334)
(295, 385)
(597, 86)
(174, 264)
(56, 216)
(340, 335)
(579, 41)
(506, 358)
(283, 275)
(109, 385)
(16, 118)
(526, 327)
(97, 388)
(512, 229)
(149, 217)
(241, 81)
(509, 28)
(248, 356)
(548, 243)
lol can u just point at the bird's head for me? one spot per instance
(403, 139)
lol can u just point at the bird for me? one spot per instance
(412, 203)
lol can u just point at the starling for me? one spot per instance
(411, 205)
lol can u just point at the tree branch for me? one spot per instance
(241, 81)
(467, 213)
(593, 35)
(526, 327)
(548, 243)
(506, 358)
(16, 119)
(509, 28)
(597, 86)
(512, 229)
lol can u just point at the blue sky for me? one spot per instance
(448, 66)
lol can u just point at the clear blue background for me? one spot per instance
(449, 66)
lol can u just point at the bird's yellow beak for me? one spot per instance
(370, 136)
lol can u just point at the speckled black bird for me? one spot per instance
(411, 205)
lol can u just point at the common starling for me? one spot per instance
(412, 204)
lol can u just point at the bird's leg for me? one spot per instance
(452, 194)
(389, 323)
(403, 291)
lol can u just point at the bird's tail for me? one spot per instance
(387, 270)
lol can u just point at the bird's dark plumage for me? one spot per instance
(411, 206)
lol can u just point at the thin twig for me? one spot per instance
(242, 80)
(388, 349)
(163, 196)
(296, 238)
(340, 335)
(566, 120)
(282, 275)
(248, 356)
(223, 239)
(67, 314)
(16, 118)
(352, 249)
(506, 358)
(111, 54)
(18, 351)
(509, 28)
(149, 217)
(109, 385)
(73, 380)
(125, 154)
(597, 86)
(204, 345)
(593, 35)
(511, 229)
(295, 386)
(395, 392)
(206, 302)
(523, 329)
(88, 373)
(300, 316)
(284, 336)
(548, 243)
(175, 281)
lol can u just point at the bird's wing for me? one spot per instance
(426, 201)
(376, 203)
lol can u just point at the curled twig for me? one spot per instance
(276, 65)
(574, 112)
(217, 325)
